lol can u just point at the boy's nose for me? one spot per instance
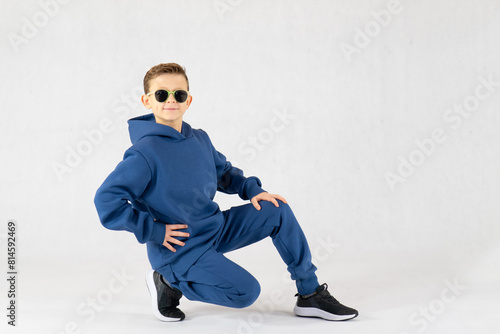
(171, 98)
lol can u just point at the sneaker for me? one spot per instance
(321, 304)
(164, 298)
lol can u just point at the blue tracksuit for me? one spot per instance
(168, 177)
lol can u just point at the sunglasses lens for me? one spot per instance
(181, 96)
(161, 95)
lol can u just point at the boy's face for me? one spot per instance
(169, 112)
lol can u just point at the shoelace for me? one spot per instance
(327, 296)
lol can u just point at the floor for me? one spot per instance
(394, 293)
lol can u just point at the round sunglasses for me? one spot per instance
(162, 95)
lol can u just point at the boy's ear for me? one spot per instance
(189, 100)
(145, 99)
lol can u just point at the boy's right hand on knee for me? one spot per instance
(171, 233)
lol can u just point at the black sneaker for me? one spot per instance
(164, 298)
(321, 304)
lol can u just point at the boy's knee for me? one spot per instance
(277, 213)
(252, 292)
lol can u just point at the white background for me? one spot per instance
(390, 251)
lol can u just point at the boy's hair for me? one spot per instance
(168, 68)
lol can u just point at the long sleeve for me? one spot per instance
(230, 180)
(121, 188)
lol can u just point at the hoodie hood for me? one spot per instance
(143, 126)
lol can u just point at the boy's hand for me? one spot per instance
(171, 233)
(264, 196)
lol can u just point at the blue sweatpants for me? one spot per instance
(218, 280)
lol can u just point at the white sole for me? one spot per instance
(154, 298)
(317, 313)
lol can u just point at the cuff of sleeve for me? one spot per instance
(158, 234)
(251, 188)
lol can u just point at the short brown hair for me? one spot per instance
(167, 68)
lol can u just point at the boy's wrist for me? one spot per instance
(158, 234)
(251, 188)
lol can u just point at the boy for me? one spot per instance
(163, 192)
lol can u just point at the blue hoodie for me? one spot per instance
(170, 177)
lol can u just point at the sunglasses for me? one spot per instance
(162, 95)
